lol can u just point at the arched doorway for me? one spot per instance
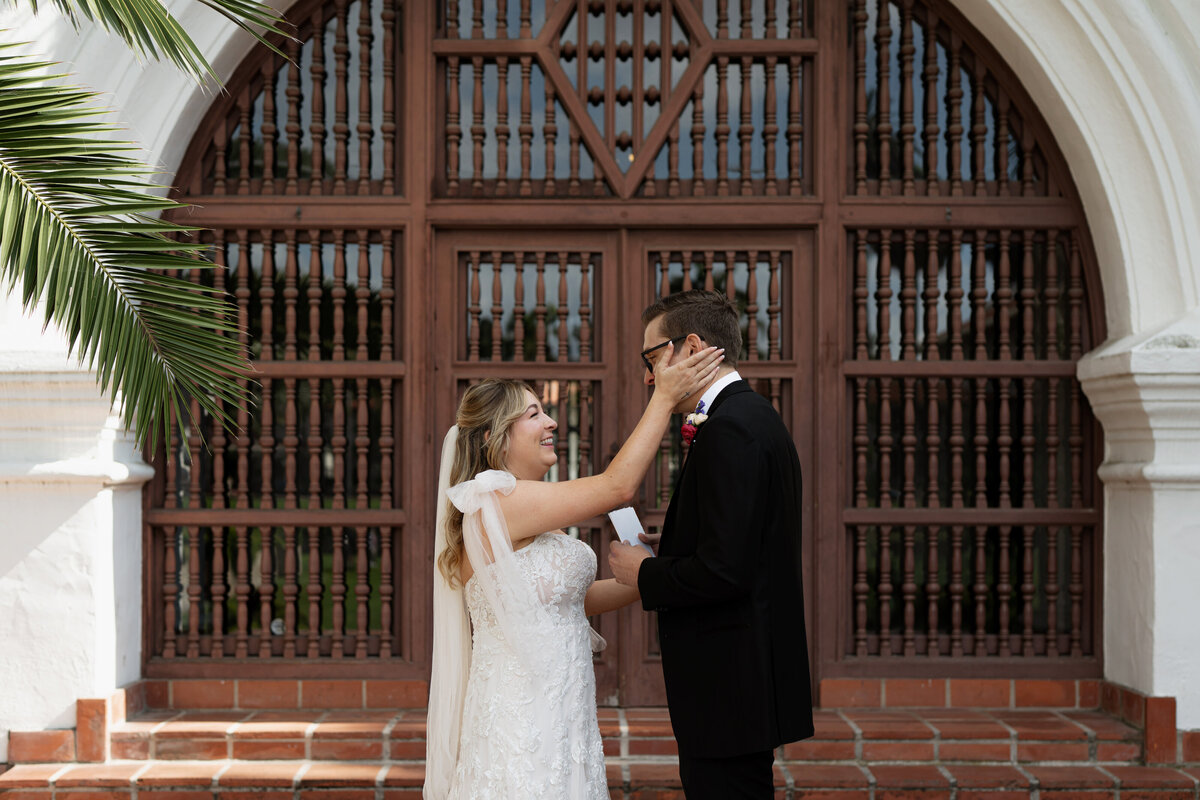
(500, 188)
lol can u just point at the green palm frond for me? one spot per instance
(77, 237)
(150, 30)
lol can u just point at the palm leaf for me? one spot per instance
(77, 239)
(150, 30)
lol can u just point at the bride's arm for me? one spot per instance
(535, 507)
(608, 595)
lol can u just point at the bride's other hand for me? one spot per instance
(679, 381)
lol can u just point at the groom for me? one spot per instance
(726, 583)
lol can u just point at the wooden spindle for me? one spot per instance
(1004, 297)
(267, 295)
(501, 7)
(886, 442)
(751, 303)
(883, 297)
(387, 296)
(980, 442)
(1027, 587)
(1004, 590)
(525, 129)
(1002, 139)
(502, 132)
(908, 590)
(245, 140)
(220, 160)
(1027, 183)
(291, 591)
(387, 444)
(561, 312)
(474, 309)
(774, 308)
(519, 307)
(1076, 590)
(526, 20)
(932, 106)
(931, 295)
(337, 593)
(266, 591)
(241, 647)
(362, 593)
(269, 129)
(861, 121)
(452, 13)
(386, 588)
(339, 443)
(885, 591)
(317, 126)
(979, 130)
(673, 186)
(954, 296)
(291, 294)
(722, 19)
(908, 443)
(574, 184)
(585, 309)
(933, 443)
(1052, 592)
(387, 127)
(957, 441)
(932, 593)
(746, 130)
(980, 591)
(170, 589)
(338, 294)
(1028, 296)
(747, 18)
(290, 442)
(769, 28)
(362, 294)
(453, 128)
(550, 137)
(540, 309)
(770, 124)
(956, 591)
(497, 304)
(294, 94)
(795, 20)
(315, 571)
(341, 126)
(478, 130)
(266, 444)
(365, 129)
(908, 128)
(883, 116)
(861, 296)
(1052, 296)
(477, 20)
(722, 129)
(908, 298)
(954, 130)
(979, 295)
(698, 131)
(195, 497)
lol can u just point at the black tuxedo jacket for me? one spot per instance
(727, 586)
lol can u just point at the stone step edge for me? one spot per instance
(625, 774)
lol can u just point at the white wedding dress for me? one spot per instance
(529, 727)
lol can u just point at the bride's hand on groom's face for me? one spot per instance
(681, 380)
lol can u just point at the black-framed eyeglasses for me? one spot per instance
(645, 353)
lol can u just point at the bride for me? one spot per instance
(512, 706)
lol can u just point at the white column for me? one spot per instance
(1145, 391)
(70, 516)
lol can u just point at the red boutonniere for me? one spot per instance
(692, 424)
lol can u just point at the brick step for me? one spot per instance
(850, 736)
(629, 779)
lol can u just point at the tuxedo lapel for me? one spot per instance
(737, 387)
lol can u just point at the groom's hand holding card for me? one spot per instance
(628, 526)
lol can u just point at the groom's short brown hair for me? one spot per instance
(710, 315)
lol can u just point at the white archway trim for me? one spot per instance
(1102, 73)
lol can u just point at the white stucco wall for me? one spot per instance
(1118, 82)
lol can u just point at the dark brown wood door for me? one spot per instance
(562, 310)
(915, 267)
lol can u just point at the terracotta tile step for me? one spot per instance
(628, 779)
(851, 736)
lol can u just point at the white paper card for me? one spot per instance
(628, 526)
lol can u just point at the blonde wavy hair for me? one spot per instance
(485, 415)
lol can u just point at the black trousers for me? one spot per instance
(748, 777)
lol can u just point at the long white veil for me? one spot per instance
(451, 654)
